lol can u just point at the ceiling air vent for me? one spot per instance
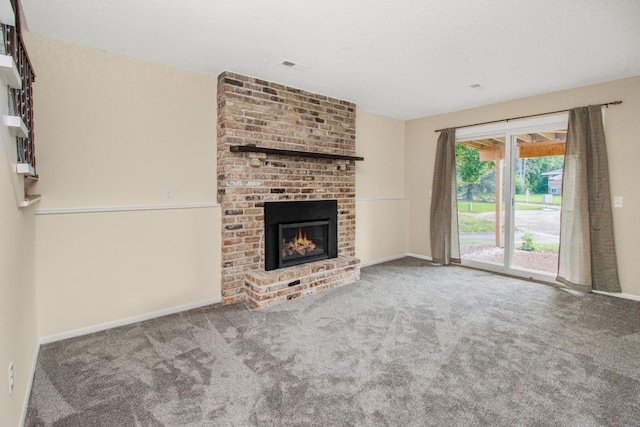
(295, 65)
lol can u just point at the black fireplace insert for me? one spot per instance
(300, 232)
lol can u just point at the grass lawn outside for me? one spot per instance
(470, 224)
(537, 198)
(480, 207)
(476, 207)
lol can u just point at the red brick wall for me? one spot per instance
(253, 111)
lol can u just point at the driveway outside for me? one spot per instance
(545, 224)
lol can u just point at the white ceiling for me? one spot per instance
(404, 58)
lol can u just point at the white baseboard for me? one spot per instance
(25, 405)
(393, 258)
(127, 321)
(619, 295)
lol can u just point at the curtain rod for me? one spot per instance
(525, 117)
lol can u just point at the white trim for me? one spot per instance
(371, 199)
(395, 257)
(34, 364)
(508, 174)
(127, 321)
(619, 295)
(130, 208)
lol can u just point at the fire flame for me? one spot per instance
(302, 239)
(300, 244)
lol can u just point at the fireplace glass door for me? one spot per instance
(302, 242)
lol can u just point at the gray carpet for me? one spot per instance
(410, 344)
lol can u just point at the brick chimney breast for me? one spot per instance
(270, 115)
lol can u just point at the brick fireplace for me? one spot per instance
(308, 151)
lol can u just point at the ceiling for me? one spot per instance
(404, 59)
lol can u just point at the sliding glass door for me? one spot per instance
(509, 188)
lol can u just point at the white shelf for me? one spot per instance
(30, 200)
(9, 72)
(16, 126)
(7, 16)
(25, 169)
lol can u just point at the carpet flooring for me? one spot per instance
(410, 344)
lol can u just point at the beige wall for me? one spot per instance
(623, 145)
(18, 332)
(102, 267)
(116, 131)
(381, 206)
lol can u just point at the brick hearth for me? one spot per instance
(265, 288)
(269, 115)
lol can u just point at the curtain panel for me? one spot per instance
(587, 258)
(445, 246)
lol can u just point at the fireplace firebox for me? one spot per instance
(300, 232)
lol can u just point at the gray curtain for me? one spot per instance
(444, 213)
(587, 258)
